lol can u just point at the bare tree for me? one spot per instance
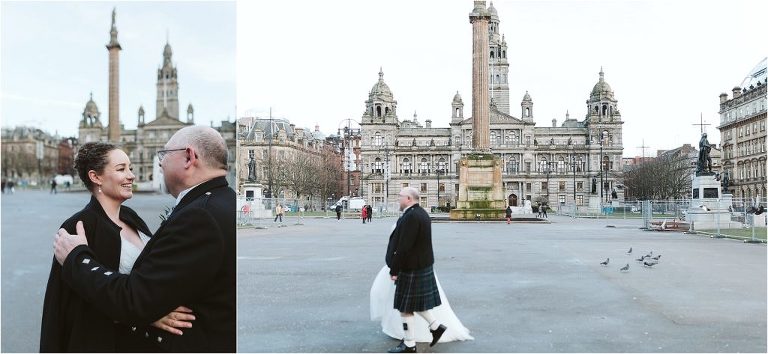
(666, 177)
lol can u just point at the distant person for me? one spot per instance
(364, 213)
(10, 186)
(370, 213)
(338, 212)
(53, 186)
(4, 182)
(544, 210)
(279, 213)
(509, 214)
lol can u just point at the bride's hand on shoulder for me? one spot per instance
(181, 317)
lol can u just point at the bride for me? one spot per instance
(382, 308)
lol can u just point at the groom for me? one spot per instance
(409, 258)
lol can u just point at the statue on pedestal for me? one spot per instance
(704, 163)
(251, 170)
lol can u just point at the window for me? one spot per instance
(528, 166)
(377, 187)
(528, 186)
(580, 199)
(513, 165)
(561, 198)
(378, 140)
(544, 187)
(561, 186)
(579, 186)
(378, 166)
(494, 138)
(405, 185)
(407, 167)
(423, 188)
(424, 166)
(441, 165)
(441, 187)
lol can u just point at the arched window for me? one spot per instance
(441, 165)
(606, 164)
(498, 79)
(513, 165)
(407, 167)
(424, 166)
(503, 53)
(561, 165)
(378, 111)
(542, 164)
(386, 110)
(457, 111)
(527, 112)
(579, 164)
(378, 140)
(494, 138)
(378, 166)
(491, 54)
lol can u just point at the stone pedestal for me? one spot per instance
(480, 189)
(253, 198)
(709, 206)
(594, 203)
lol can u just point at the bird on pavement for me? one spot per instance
(656, 258)
(649, 264)
(630, 251)
(640, 259)
(704, 207)
(624, 268)
(756, 211)
(605, 262)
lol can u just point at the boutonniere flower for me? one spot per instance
(166, 213)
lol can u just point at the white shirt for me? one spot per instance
(183, 193)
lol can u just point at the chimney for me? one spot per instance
(736, 92)
(429, 123)
(554, 122)
(723, 97)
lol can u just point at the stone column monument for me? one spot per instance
(480, 194)
(113, 132)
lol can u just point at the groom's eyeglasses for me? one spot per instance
(161, 153)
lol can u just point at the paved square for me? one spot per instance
(518, 288)
(29, 221)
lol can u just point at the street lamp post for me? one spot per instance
(439, 171)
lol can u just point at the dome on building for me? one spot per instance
(527, 97)
(602, 87)
(381, 88)
(457, 98)
(757, 74)
(492, 11)
(90, 108)
(317, 134)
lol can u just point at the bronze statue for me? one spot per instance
(704, 164)
(251, 170)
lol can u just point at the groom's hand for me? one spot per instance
(63, 242)
(394, 277)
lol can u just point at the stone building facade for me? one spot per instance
(32, 156)
(284, 157)
(141, 144)
(559, 163)
(742, 134)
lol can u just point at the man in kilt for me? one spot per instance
(410, 259)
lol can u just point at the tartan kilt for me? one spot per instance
(416, 291)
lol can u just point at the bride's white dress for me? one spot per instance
(382, 308)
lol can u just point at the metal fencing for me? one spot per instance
(261, 212)
(739, 218)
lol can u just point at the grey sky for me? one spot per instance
(54, 55)
(667, 61)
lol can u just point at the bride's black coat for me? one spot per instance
(71, 324)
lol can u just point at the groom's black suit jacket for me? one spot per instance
(410, 244)
(190, 261)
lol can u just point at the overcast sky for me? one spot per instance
(54, 55)
(314, 62)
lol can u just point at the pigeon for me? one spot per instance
(656, 258)
(649, 264)
(703, 207)
(605, 262)
(756, 211)
(649, 255)
(640, 259)
(630, 251)
(624, 268)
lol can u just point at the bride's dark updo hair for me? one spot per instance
(92, 156)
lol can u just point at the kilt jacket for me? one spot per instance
(410, 244)
(69, 322)
(190, 261)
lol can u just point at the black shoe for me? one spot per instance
(436, 334)
(402, 348)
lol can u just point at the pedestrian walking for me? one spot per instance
(279, 213)
(544, 210)
(370, 213)
(509, 213)
(338, 212)
(364, 213)
(53, 186)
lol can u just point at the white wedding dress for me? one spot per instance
(382, 308)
